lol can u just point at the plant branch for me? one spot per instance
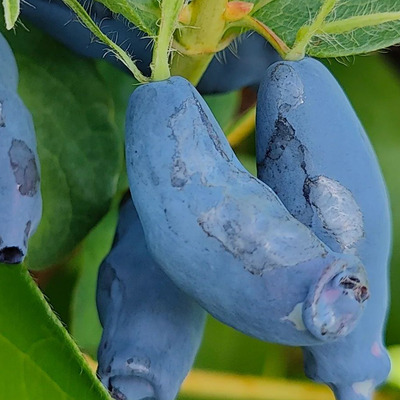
(118, 51)
(200, 38)
(306, 33)
(252, 23)
(170, 10)
(357, 22)
(242, 128)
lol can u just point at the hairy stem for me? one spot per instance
(306, 33)
(277, 43)
(118, 51)
(169, 17)
(357, 22)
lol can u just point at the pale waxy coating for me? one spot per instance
(20, 198)
(222, 235)
(152, 330)
(313, 152)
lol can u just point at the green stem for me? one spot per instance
(252, 23)
(307, 32)
(242, 128)
(169, 16)
(357, 22)
(191, 67)
(201, 38)
(118, 51)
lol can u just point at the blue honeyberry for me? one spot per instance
(313, 152)
(152, 330)
(222, 235)
(20, 197)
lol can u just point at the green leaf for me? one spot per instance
(143, 13)
(333, 28)
(377, 102)
(57, 284)
(80, 150)
(11, 12)
(39, 360)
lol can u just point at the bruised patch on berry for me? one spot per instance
(23, 164)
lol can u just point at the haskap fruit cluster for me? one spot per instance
(298, 256)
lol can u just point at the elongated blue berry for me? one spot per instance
(314, 153)
(20, 198)
(152, 330)
(223, 236)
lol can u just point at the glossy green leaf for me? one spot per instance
(39, 360)
(348, 26)
(80, 150)
(11, 12)
(377, 103)
(142, 13)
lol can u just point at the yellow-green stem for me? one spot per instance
(159, 65)
(307, 32)
(276, 42)
(357, 22)
(191, 67)
(201, 37)
(169, 16)
(242, 128)
(117, 50)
